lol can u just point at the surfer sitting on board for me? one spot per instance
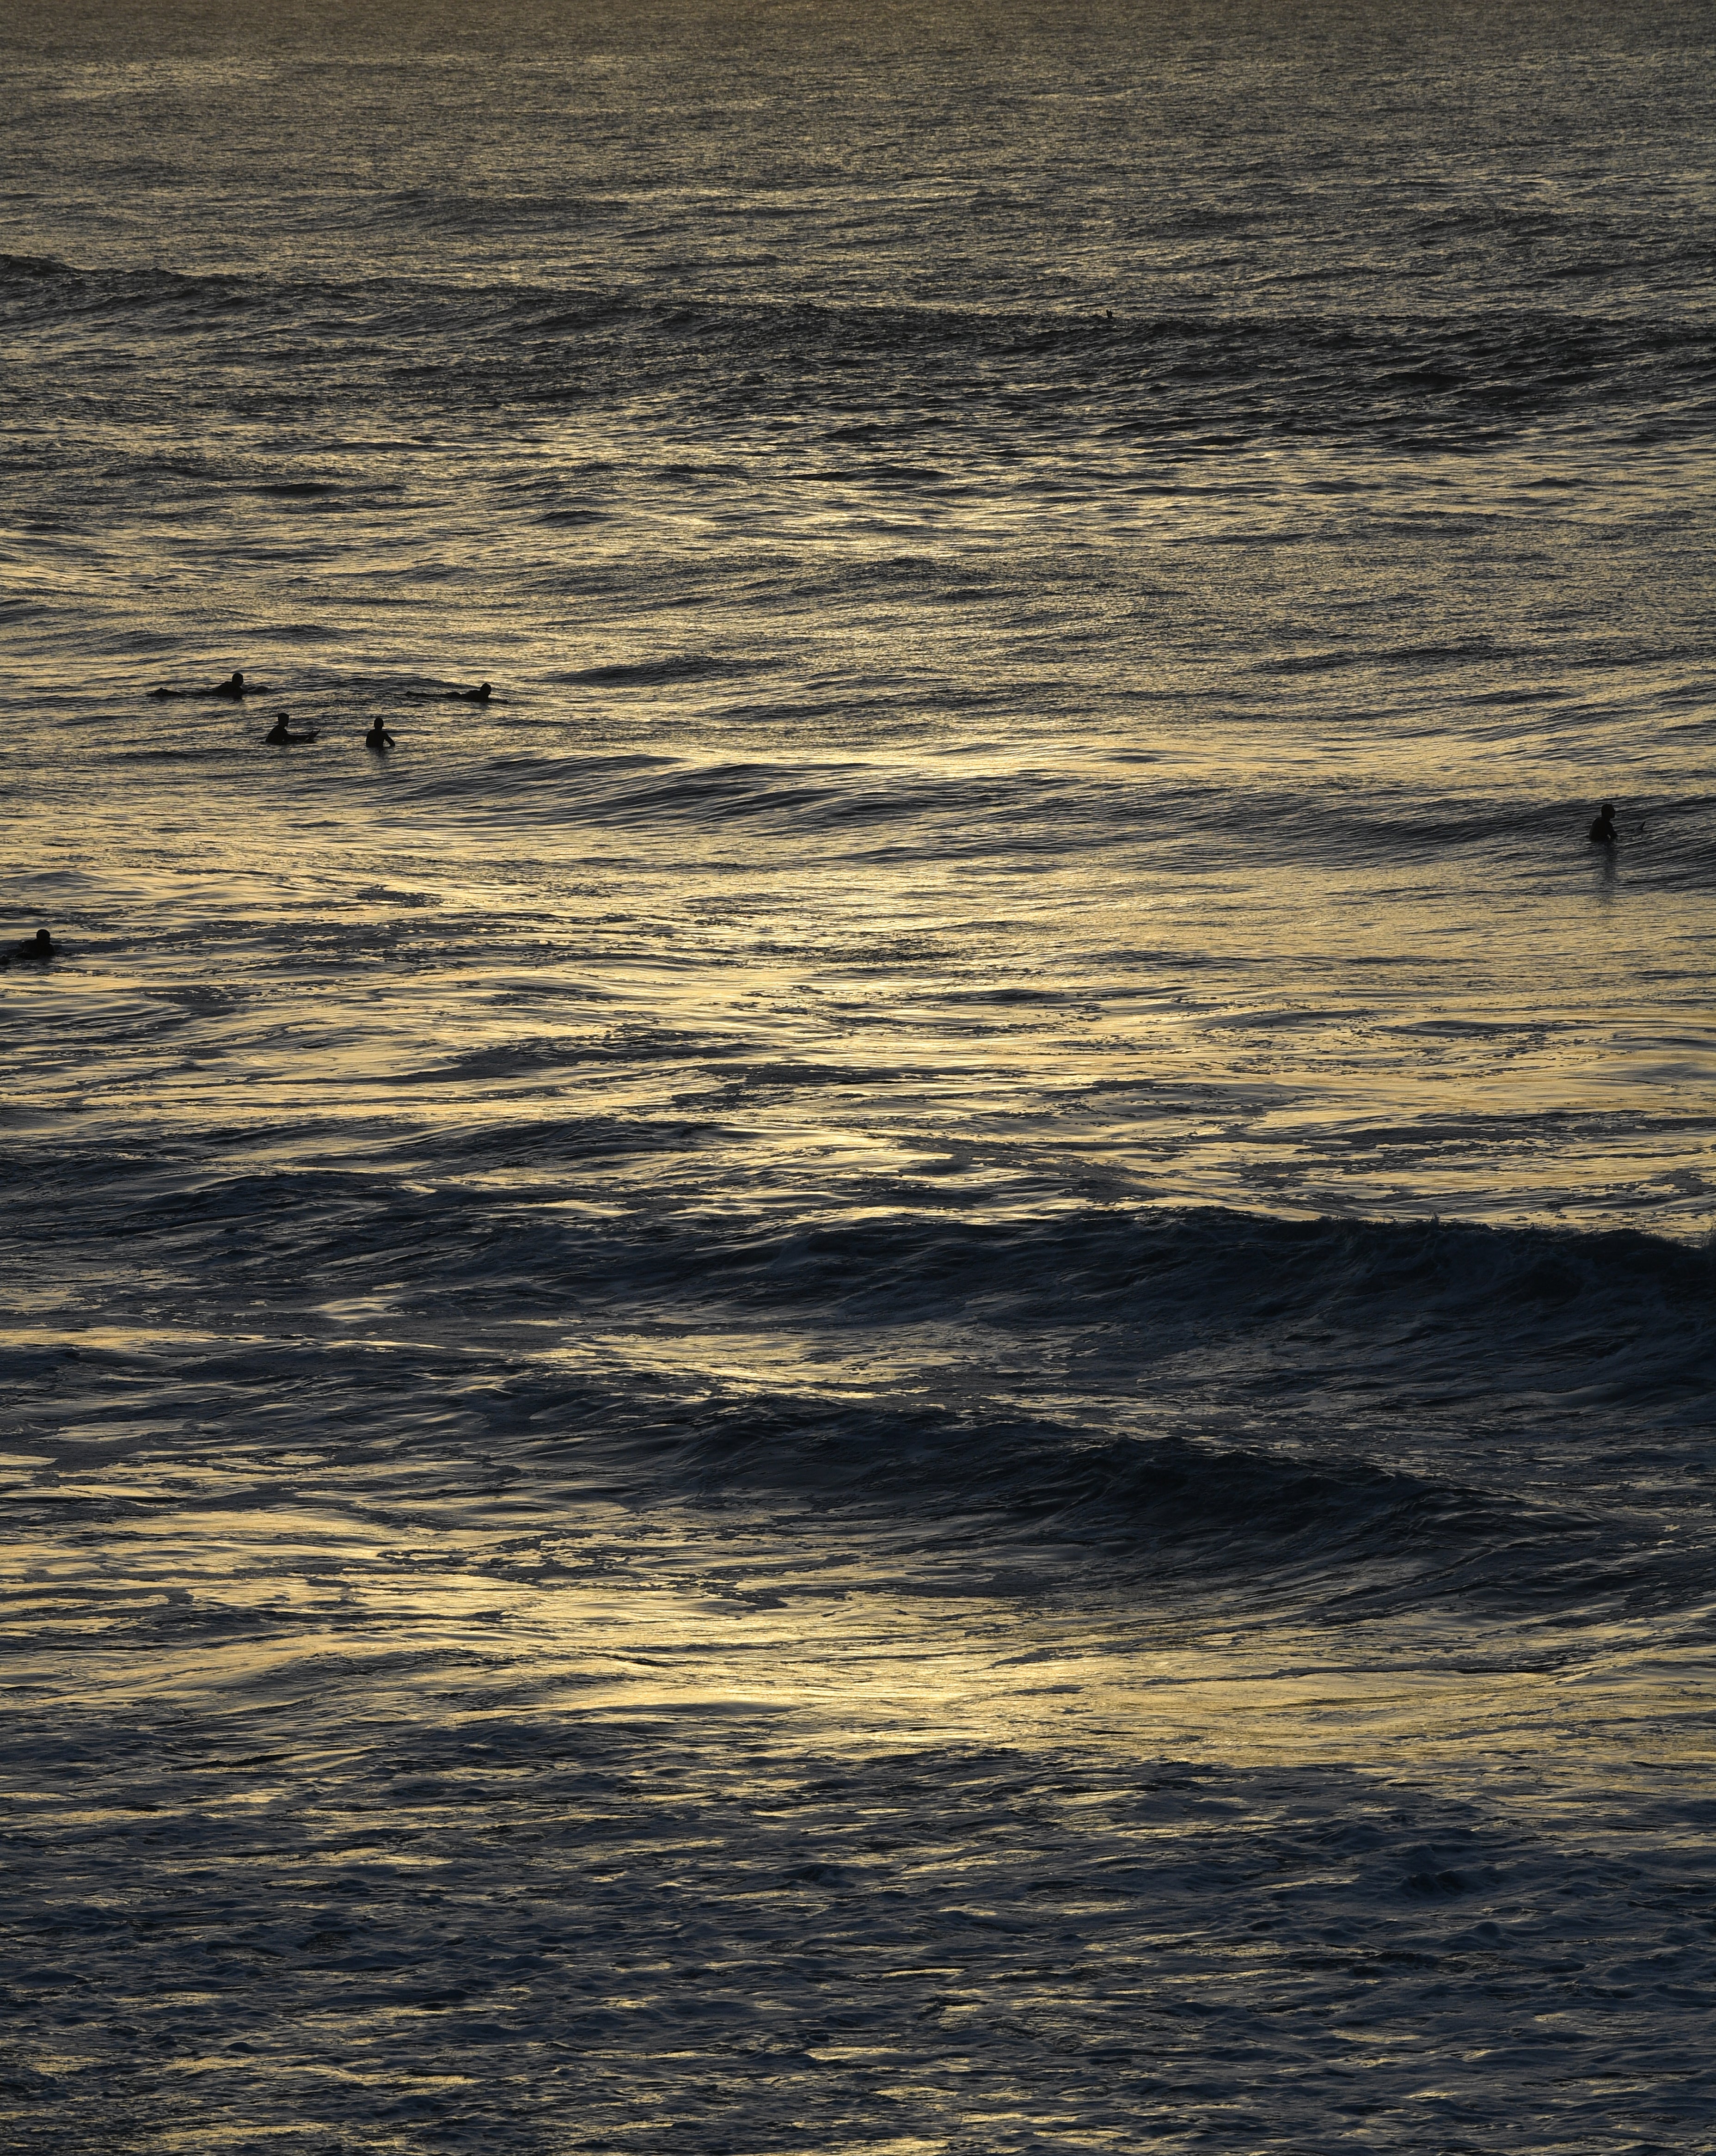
(38, 946)
(280, 732)
(1602, 830)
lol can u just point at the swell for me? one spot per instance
(869, 807)
(1459, 379)
(1454, 1317)
(1361, 1414)
(1039, 1505)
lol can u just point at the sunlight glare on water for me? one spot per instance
(920, 1358)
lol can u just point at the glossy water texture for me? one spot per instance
(921, 1362)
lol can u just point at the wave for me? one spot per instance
(1324, 1530)
(951, 813)
(26, 268)
(1459, 379)
(1459, 1317)
(677, 667)
(1360, 1414)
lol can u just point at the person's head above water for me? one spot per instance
(43, 941)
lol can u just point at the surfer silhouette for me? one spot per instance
(234, 686)
(1602, 830)
(479, 696)
(280, 733)
(378, 737)
(40, 946)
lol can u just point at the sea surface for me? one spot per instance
(921, 1363)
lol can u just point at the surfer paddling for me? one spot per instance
(477, 695)
(234, 686)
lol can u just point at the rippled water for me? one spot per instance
(922, 1361)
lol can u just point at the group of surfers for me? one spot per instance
(279, 735)
(41, 946)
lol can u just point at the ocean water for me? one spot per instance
(921, 1364)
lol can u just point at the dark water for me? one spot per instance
(921, 1362)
